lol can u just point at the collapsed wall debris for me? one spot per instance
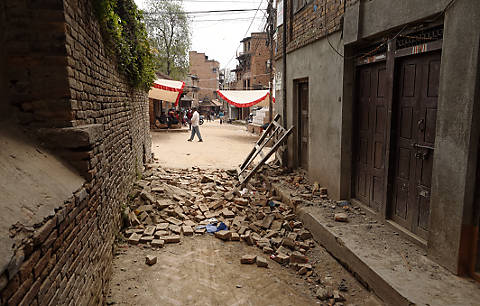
(168, 205)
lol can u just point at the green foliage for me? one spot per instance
(125, 35)
(168, 27)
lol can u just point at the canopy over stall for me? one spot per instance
(166, 90)
(246, 98)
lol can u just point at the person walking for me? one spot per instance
(220, 114)
(195, 126)
(189, 119)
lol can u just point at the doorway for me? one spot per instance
(413, 140)
(302, 123)
(370, 136)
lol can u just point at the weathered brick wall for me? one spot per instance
(312, 22)
(203, 67)
(62, 80)
(257, 71)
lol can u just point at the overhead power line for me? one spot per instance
(245, 35)
(206, 12)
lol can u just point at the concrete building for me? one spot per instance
(207, 71)
(252, 69)
(384, 97)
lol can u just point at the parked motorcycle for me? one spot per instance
(201, 120)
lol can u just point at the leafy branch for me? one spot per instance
(124, 33)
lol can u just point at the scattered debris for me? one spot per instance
(341, 217)
(248, 259)
(169, 205)
(262, 262)
(150, 260)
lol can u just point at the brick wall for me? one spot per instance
(257, 71)
(68, 91)
(312, 22)
(202, 67)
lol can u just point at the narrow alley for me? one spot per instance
(240, 152)
(225, 147)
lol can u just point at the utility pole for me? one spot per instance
(270, 33)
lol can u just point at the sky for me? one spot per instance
(218, 35)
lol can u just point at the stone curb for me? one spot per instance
(347, 257)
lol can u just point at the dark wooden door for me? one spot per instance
(415, 114)
(303, 124)
(370, 136)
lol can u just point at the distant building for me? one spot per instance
(208, 73)
(252, 71)
(190, 92)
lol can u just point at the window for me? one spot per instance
(214, 69)
(299, 4)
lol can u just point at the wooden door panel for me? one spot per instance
(406, 122)
(433, 78)
(408, 79)
(430, 124)
(379, 154)
(416, 111)
(382, 82)
(369, 140)
(403, 164)
(400, 200)
(377, 192)
(303, 124)
(363, 151)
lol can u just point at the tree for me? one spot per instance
(168, 27)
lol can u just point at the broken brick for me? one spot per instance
(248, 259)
(157, 243)
(187, 230)
(262, 262)
(224, 235)
(150, 260)
(171, 239)
(341, 217)
(134, 238)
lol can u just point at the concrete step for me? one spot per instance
(397, 270)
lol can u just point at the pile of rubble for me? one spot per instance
(168, 204)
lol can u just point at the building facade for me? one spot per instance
(80, 137)
(382, 95)
(208, 73)
(252, 71)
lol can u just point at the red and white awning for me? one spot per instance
(166, 90)
(246, 98)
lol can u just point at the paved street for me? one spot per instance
(205, 269)
(224, 147)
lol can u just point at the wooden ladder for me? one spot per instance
(273, 131)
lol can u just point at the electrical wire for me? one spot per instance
(205, 12)
(248, 29)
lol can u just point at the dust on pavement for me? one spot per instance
(203, 270)
(224, 146)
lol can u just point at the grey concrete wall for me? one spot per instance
(324, 70)
(453, 181)
(375, 16)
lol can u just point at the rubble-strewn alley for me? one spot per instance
(157, 259)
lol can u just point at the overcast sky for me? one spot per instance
(218, 35)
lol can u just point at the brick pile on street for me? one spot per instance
(168, 205)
